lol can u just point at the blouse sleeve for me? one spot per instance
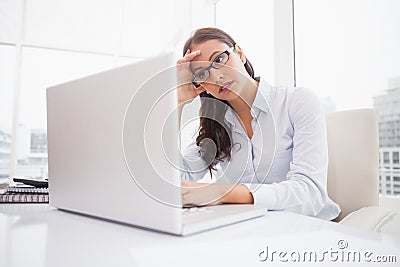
(194, 167)
(303, 190)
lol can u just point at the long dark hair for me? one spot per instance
(212, 110)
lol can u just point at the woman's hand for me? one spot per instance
(202, 194)
(186, 90)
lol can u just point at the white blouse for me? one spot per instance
(285, 163)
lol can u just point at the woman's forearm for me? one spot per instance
(240, 194)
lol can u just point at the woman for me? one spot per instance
(283, 168)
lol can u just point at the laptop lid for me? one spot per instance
(106, 145)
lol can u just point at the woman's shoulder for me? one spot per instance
(290, 96)
(293, 92)
(294, 95)
(297, 101)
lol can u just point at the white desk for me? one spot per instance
(37, 235)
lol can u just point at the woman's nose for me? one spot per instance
(216, 75)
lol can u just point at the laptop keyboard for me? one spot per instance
(195, 210)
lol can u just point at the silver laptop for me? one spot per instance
(113, 153)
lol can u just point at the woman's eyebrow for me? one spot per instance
(214, 54)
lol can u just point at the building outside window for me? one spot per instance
(395, 157)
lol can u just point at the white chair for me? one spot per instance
(353, 177)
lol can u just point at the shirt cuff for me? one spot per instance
(263, 195)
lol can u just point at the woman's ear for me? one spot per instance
(240, 52)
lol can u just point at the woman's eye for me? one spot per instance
(201, 75)
(219, 59)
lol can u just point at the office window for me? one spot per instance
(251, 24)
(396, 178)
(152, 26)
(347, 50)
(42, 68)
(10, 20)
(89, 25)
(59, 40)
(7, 67)
(387, 178)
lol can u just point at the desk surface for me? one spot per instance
(38, 235)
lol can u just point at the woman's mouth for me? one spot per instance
(225, 87)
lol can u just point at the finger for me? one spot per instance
(190, 56)
(182, 60)
(185, 200)
(184, 188)
(186, 184)
(189, 185)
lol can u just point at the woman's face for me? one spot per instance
(228, 81)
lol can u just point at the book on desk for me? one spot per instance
(26, 191)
